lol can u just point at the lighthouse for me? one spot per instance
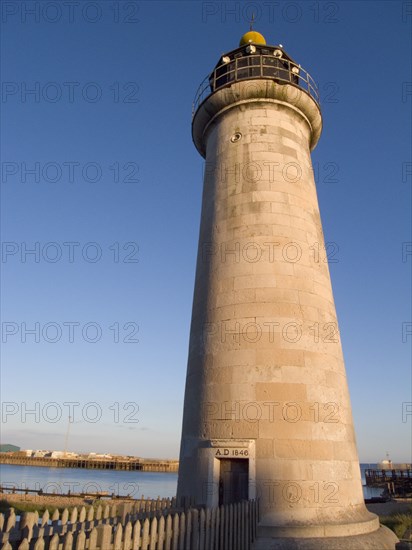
(267, 413)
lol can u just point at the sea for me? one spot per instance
(79, 480)
(134, 484)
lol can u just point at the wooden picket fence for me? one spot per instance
(30, 525)
(152, 526)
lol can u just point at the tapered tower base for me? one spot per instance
(381, 539)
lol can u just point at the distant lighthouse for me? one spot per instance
(267, 412)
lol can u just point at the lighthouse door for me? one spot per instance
(233, 480)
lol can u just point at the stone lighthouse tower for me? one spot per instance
(267, 412)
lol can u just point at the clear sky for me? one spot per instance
(96, 152)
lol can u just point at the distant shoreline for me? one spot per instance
(57, 501)
(118, 463)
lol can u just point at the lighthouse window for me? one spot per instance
(236, 137)
(248, 67)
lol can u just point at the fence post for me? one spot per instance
(222, 527)
(73, 515)
(68, 541)
(145, 535)
(175, 531)
(231, 527)
(217, 529)
(237, 525)
(182, 531)
(226, 527)
(11, 520)
(127, 544)
(136, 535)
(255, 518)
(113, 511)
(90, 514)
(82, 515)
(99, 512)
(80, 541)
(55, 517)
(161, 533)
(247, 524)
(26, 524)
(202, 528)
(92, 539)
(45, 518)
(153, 534)
(169, 533)
(104, 536)
(65, 516)
(117, 543)
(54, 542)
(188, 529)
(210, 536)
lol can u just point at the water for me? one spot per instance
(78, 480)
(369, 492)
(135, 484)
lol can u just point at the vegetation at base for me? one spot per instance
(399, 523)
(21, 507)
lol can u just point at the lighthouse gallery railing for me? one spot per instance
(260, 66)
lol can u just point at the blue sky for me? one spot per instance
(107, 128)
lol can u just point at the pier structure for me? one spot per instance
(114, 463)
(396, 481)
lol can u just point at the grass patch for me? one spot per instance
(399, 523)
(20, 507)
(30, 506)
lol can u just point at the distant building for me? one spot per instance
(62, 454)
(39, 454)
(97, 455)
(7, 448)
(385, 464)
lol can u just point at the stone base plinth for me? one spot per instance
(381, 539)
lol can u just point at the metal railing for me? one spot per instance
(258, 66)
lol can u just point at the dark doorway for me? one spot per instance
(233, 480)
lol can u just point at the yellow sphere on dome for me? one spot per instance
(253, 37)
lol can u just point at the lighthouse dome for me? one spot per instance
(252, 37)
